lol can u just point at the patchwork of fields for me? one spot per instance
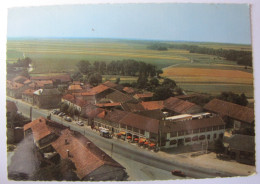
(192, 71)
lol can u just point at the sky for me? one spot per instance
(227, 23)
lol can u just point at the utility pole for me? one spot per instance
(112, 146)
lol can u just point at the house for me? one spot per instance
(91, 163)
(44, 132)
(41, 84)
(241, 148)
(27, 95)
(74, 102)
(132, 107)
(129, 90)
(154, 114)
(118, 96)
(144, 96)
(189, 132)
(47, 98)
(56, 79)
(153, 105)
(14, 89)
(177, 106)
(20, 79)
(239, 116)
(74, 88)
(109, 105)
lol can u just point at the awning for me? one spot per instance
(136, 139)
(129, 137)
(146, 143)
(152, 144)
(122, 133)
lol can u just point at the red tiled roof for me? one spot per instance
(27, 81)
(141, 122)
(29, 92)
(109, 84)
(128, 90)
(83, 153)
(178, 105)
(232, 110)
(118, 96)
(80, 102)
(108, 104)
(39, 128)
(152, 105)
(10, 106)
(144, 95)
(74, 87)
(132, 107)
(13, 85)
(191, 124)
(96, 90)
(68, 97)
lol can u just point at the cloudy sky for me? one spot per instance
(227, 23)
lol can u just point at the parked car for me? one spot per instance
(80, 123)
(68, 119)
(178, 173)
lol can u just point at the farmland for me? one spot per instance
(192, 71)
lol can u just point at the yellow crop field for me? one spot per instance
(208, 75)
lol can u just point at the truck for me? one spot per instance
(104, 133)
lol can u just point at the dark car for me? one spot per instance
(178, 173)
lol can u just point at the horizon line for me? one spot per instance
(129, 39)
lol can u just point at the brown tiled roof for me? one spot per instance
(118, 96)
(68, 97)
(108, 104)
(80, 102)
(115, 115)
(132, 107)
(141, 122)
(39, 128)
(92, 111)
(62, 78)
(83, 153)
(10, 106)
(169, 126)
(178, 105)
(13, 85)
(154, 114)
(40, 84)
(74, 87)
(241, 142)
(19, 79)
(143, 95)
(231, 110)
(28, 92)
(96, 90)
(128, 90)
(152, 105)
(110, 84)
(27, 82)
(183, 97)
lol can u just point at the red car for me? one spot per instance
(178, 173)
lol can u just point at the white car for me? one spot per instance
(80, 123)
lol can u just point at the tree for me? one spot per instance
(117, 80)
(158, 72)
(233, 98)
(95, 79)
(77, 76)
(219, 147)
(154, 82)
(83, 66)
(142, 81)
(162, 93)
(71, 111)
(64, 107)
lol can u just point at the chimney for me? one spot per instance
(68, 152)
(103, 156)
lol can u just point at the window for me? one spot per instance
(142, 132)
(208, 137)
(221, 127)
(123, 125)
(215, 128)
(135, 129)
(188, 132)
(221, 136)
(196, 131)
(188, 139)
(202, 130)
(172, 142)
(202, 137)
(215, 136)
(209, 129)
(180, 133)
(173, 134)
(195, 138)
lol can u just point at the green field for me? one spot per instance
(62, 55)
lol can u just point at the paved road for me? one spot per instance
(125, 151)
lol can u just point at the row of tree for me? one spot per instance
(241, 57)
(122, 67)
